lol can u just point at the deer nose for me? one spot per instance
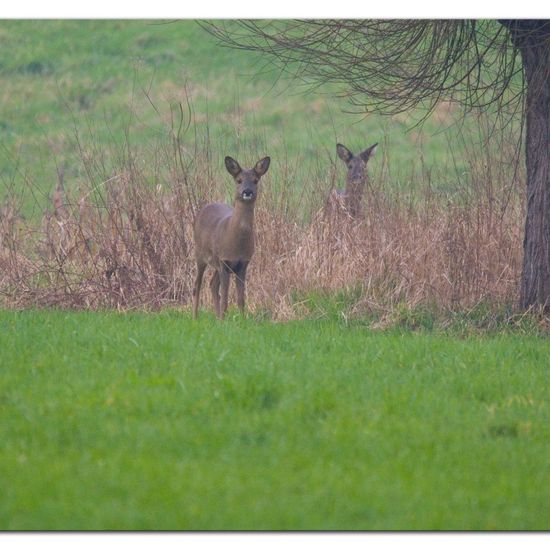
(247, 194)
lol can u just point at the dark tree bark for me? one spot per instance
(532, 38)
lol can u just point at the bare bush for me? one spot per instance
(124, 241)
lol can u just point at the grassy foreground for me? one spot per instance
(138, 421)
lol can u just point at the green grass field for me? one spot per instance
(78, 89)
(150, 421)
(137, 421)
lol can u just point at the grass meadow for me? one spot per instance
(382, 379)
(153, 421)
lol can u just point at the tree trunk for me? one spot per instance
(533, 41)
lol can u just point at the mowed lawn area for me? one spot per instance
(153, 421)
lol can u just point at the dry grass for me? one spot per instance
(125, 241)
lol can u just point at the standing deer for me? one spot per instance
(349, 199)
(224, 237)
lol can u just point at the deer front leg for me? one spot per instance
(240, 282)
(224, 284)
(215, 288)
(197, 288)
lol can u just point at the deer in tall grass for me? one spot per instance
(349, 199)
(224, 237)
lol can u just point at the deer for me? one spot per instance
(224, 238)
(349, 199)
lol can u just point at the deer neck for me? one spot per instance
(242, 219)
(354, 195)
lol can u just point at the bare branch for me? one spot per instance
(390, 65)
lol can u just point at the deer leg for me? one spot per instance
(197, 288)
(240, 280)
(225, 270)
(215, 288)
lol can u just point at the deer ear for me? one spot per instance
(343, 152)
(367, 153)
(232, 166)
(262, 166)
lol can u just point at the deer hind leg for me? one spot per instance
(197, 288)
(225, 271)
(240, 282)
(215, 288)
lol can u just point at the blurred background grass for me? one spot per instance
(72, 84)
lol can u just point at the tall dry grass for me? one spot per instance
(122, 236)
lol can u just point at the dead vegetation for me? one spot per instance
(124, 241)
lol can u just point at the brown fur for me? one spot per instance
(349, 199)
(224, 238)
